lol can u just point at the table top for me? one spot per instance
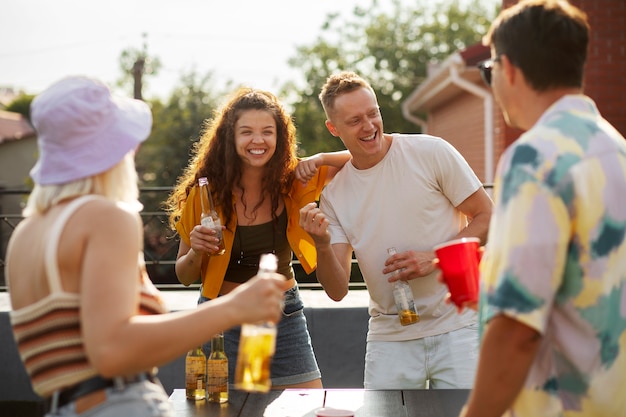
(304, 402)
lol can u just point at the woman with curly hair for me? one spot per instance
(248, 154)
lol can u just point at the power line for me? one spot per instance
(56, 48)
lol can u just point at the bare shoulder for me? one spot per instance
(105, 216)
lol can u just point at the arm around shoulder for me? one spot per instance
(308, 167)
(335, 161)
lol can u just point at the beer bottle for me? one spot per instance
(403, 296)
(195, 374)
(257, 344)
(209, 217)
(217, 371)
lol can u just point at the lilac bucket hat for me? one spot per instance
(84, 130)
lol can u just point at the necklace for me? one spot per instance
(251, 260)
(251, 218)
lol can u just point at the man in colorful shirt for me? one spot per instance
(553, 290)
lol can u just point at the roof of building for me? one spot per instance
(440, 86)
(14, 126)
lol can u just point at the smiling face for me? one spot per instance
(255, 137)
(355, 118)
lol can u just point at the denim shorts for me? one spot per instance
(139, 399)
(294, 361)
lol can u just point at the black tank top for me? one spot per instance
(251, 242)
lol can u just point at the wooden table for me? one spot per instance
(303, 403)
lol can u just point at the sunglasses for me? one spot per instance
(485, 68)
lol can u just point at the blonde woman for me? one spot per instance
(89, 325)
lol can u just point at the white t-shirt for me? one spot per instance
(407, 201)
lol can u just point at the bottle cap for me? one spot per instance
(268, 262)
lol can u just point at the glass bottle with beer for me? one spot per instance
(217, 371)
(403, 297)
(195, 374)
(209, 217)
(257, 345)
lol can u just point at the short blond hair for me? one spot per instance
(338, 84)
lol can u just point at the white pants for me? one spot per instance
(447, 360)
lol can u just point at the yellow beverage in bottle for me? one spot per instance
(217, 380)
(195, 374)
(403, 297)
(217, 372)
(256, 349)
(217, 397)
(408, 317)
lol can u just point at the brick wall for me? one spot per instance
(605, 74)
(460, 122)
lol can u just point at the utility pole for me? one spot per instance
(138, 70)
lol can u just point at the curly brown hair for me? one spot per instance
(214, 156)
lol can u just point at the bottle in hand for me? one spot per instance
(195, 374)
(209, 217)
(257, 345)
(217, 371)
(403, 296)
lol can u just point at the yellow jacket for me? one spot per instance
(214, 268)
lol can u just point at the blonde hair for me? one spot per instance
(338, 84)
(118, 184)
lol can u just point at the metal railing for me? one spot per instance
(160, 242)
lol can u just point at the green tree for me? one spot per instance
(21, 105)
(161, 159)
(177, 126)
(391, 46)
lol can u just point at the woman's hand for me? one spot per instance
(307, 168)
(204, 240)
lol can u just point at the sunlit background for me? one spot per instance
(247, 41)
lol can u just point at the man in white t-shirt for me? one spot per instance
(410, 192)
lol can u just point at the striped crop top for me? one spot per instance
(48, 332)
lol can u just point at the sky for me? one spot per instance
(247, 41)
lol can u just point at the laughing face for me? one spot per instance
(255, 137)
(356, 119)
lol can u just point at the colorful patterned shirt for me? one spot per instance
(556, 259)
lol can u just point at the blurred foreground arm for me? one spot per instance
(507, 352)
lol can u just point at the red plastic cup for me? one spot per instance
(333, 412)
(458, 261)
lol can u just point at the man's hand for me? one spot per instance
(473, 305)
(315, 223)
(411, 264)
